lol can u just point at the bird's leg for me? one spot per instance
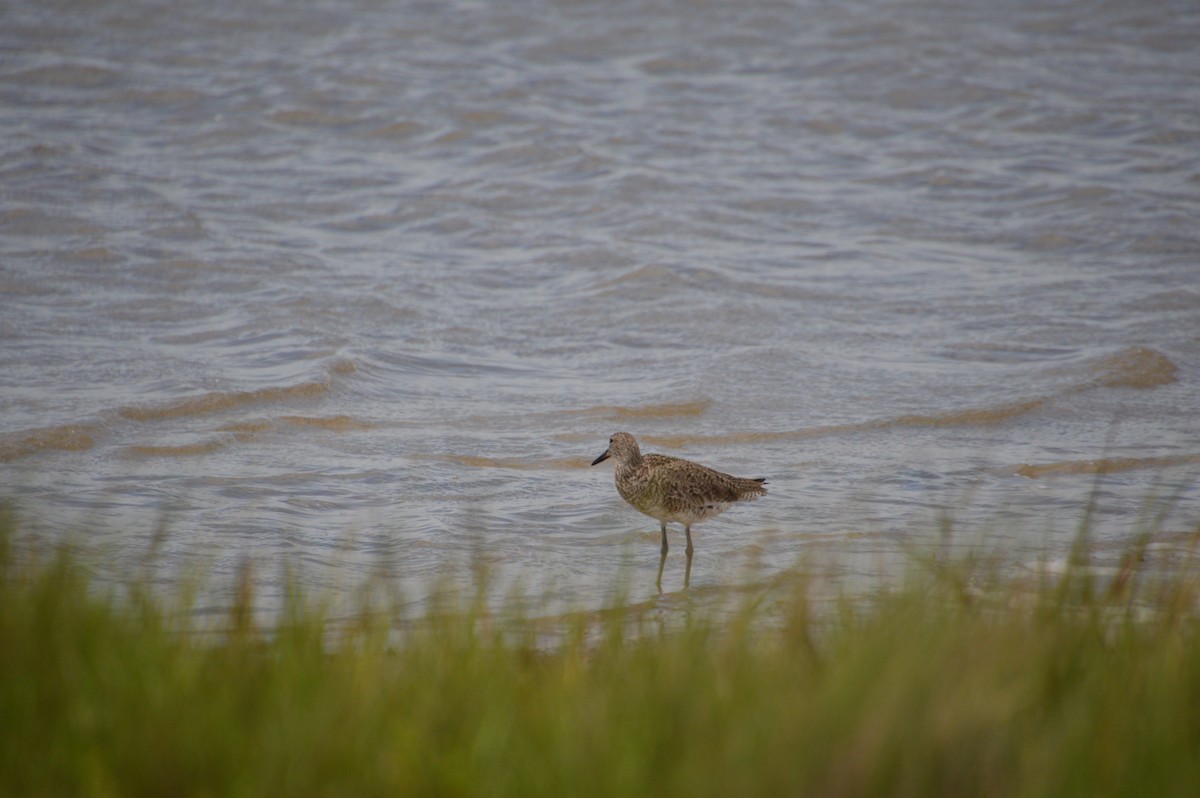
(663, 524)
(688, 531)
(662, 560)
(687, 573)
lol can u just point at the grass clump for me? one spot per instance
(926, 690)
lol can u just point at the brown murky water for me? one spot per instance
(366, 286)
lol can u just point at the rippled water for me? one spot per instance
(367, 285)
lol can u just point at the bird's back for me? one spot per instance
(674, 489)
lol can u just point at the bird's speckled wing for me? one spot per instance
(684, 486)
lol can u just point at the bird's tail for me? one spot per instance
(753, 488)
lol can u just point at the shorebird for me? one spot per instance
(673, 489)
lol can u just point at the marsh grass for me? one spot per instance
(1060, 685)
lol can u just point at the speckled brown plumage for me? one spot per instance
(673, 489)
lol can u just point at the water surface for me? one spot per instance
(364, 287)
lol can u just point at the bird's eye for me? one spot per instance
(610, 441)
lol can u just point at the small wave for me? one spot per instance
(696, 408)
(683, 441)
(245, 428)
(181, 450)
(245, 432)
(93, 255)
(641, 274)
(478, 461)
(342, 368)
(334, 423)
(302, 117)
(1136, 367)
(397, 130)
(32, 222)
(1105, 465)
(71, 75)
(974, 417)
(220, 401)
(66, 438)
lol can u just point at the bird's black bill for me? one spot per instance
(601, 458)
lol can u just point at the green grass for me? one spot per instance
(1068, 687)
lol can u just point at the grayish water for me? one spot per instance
(366, 285)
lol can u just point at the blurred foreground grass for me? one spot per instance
(1066, 687)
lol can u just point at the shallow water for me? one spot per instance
(365, 287)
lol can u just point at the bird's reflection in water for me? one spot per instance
(687, 571)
